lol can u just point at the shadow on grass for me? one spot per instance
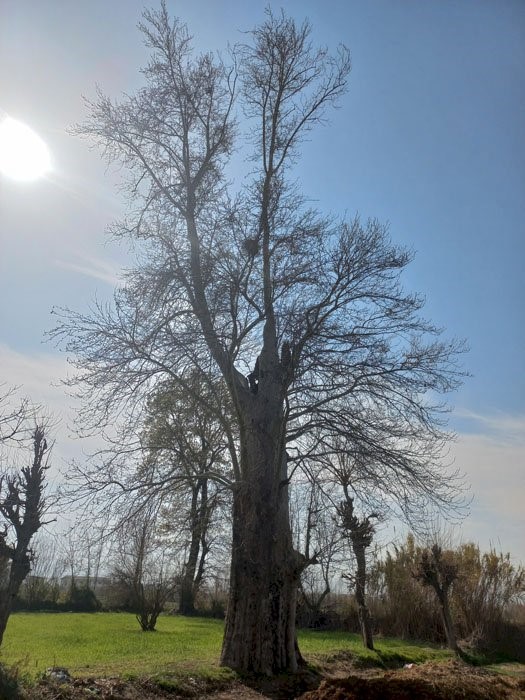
(284, 686)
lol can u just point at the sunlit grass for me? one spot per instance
(112, 644)
(387, 651)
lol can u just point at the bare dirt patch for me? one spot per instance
(452, 680)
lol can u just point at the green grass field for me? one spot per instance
(112, 644)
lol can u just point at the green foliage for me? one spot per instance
(81, 599)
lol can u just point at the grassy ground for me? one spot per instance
(112, 644)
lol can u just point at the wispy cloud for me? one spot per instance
(37, 374)
(492, 455)
(93, 267)
(38, 377)
(501, 427)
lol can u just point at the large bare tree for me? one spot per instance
(301, 317)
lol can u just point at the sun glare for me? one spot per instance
(23, 154)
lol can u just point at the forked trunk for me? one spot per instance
(190, 582)
(260, 623)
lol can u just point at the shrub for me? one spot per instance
(399, 604)
(9, 683)
(484, 601)
(82, 599)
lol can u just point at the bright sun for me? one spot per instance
(23, 154)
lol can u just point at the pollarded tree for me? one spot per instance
(360, 532)
(438, 570)
(301, 317)
(22, 508)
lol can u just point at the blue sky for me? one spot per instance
(430, 137)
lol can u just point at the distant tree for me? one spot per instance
(360, 532)
(22, 508)
(437, 569)
(487, 587)
(186, 460)
(82, 550)
(81, 598)
(302, 319)
(317, 537)
(174, 460)
(42, 587)
(141, 568)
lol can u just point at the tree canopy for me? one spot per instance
(300, 317)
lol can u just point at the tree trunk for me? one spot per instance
(260, 621)
(187, 593)
(186, 598)
(447, 622)
(360, 596)
(20, 567)
(194, 566)
(5, 611)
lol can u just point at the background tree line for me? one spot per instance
(168, 548)
(487, 597)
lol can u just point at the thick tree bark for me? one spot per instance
(260, 622)
(187, 596)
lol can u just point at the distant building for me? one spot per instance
(101, 582)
